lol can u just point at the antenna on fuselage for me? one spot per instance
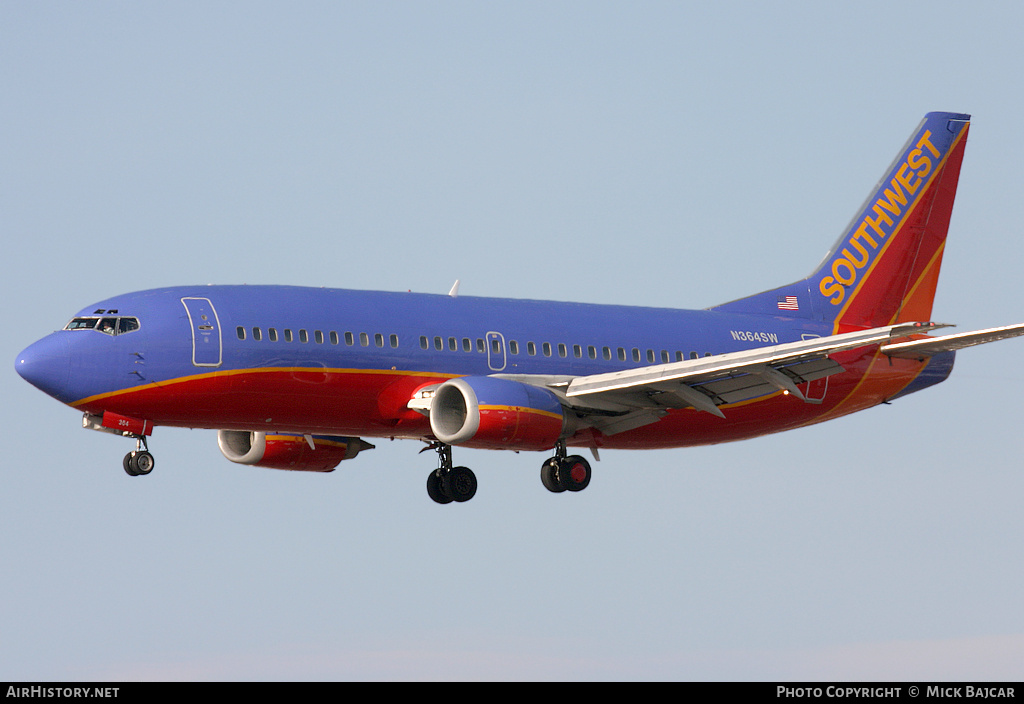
(454, 293)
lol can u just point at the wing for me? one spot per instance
(927, 346)
(618, 401)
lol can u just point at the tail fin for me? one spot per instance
(885, 267)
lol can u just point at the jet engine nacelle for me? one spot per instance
(484, 412)
(283, 451)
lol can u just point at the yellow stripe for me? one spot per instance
(920, 279)
(853, 393)
(520, 409)
(319, 442)
(896, 231)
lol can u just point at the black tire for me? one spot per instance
(549, 476)
(574, 473)
(127, 464)
(435, 489)
(460, 484)
(142, 462)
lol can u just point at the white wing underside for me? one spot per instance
(615, 402)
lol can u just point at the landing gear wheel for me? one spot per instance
(138, 463)
(460, 484)
(435, 488)
(549, 476)
(574, 473)
(561, 473)
(446, 483)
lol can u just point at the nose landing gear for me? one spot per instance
(139, 461)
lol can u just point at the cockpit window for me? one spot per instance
(110, 326)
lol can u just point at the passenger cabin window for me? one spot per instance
(107, 325)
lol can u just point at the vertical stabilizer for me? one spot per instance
(885, 267)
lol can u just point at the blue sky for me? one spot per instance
(651, 153)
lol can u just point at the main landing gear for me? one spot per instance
(446, 483)
(139, 461)
(559, 473)
(565, 473)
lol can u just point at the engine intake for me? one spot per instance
(484, 412)
(287, 451)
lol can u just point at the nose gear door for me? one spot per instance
(206, 338)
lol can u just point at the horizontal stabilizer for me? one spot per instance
(928, 346)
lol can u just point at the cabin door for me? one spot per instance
(206, 337)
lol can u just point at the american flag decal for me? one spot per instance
(788, 303)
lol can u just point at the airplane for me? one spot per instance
(293, 377)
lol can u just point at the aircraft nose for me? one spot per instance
(46, 364)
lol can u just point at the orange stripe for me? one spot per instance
(898, 230)
(520, 409)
